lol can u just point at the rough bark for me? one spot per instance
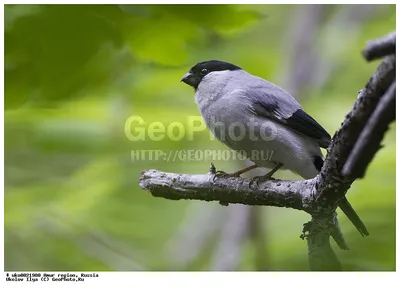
(369, 141)
(380, 47)
(280, 193)
(332, 186)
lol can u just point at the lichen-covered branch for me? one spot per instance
(280, 193)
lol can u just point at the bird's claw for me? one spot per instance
(260, 179)
(226, 175)
(223, 174)
(212, 169)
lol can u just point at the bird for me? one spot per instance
(256, 117)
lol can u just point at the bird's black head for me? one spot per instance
(198, 71)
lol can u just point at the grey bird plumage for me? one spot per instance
(256, 118)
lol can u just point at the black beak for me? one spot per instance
(186, 78)
(191, 80)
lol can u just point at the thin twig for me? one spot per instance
(380, 47)
(369, 141)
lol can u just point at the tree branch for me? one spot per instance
(380, 47)
(320, 253)
(279, 193)
(369, 141)
(332, 186)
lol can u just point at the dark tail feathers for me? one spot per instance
(352, 215)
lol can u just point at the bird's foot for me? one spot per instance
(230, 175)
(268, 176)
(260, 179)
(223, 174)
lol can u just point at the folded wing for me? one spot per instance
(289, 112)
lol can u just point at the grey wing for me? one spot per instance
(265, 101)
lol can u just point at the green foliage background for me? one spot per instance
(73, 76)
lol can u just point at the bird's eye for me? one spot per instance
(204, 72)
